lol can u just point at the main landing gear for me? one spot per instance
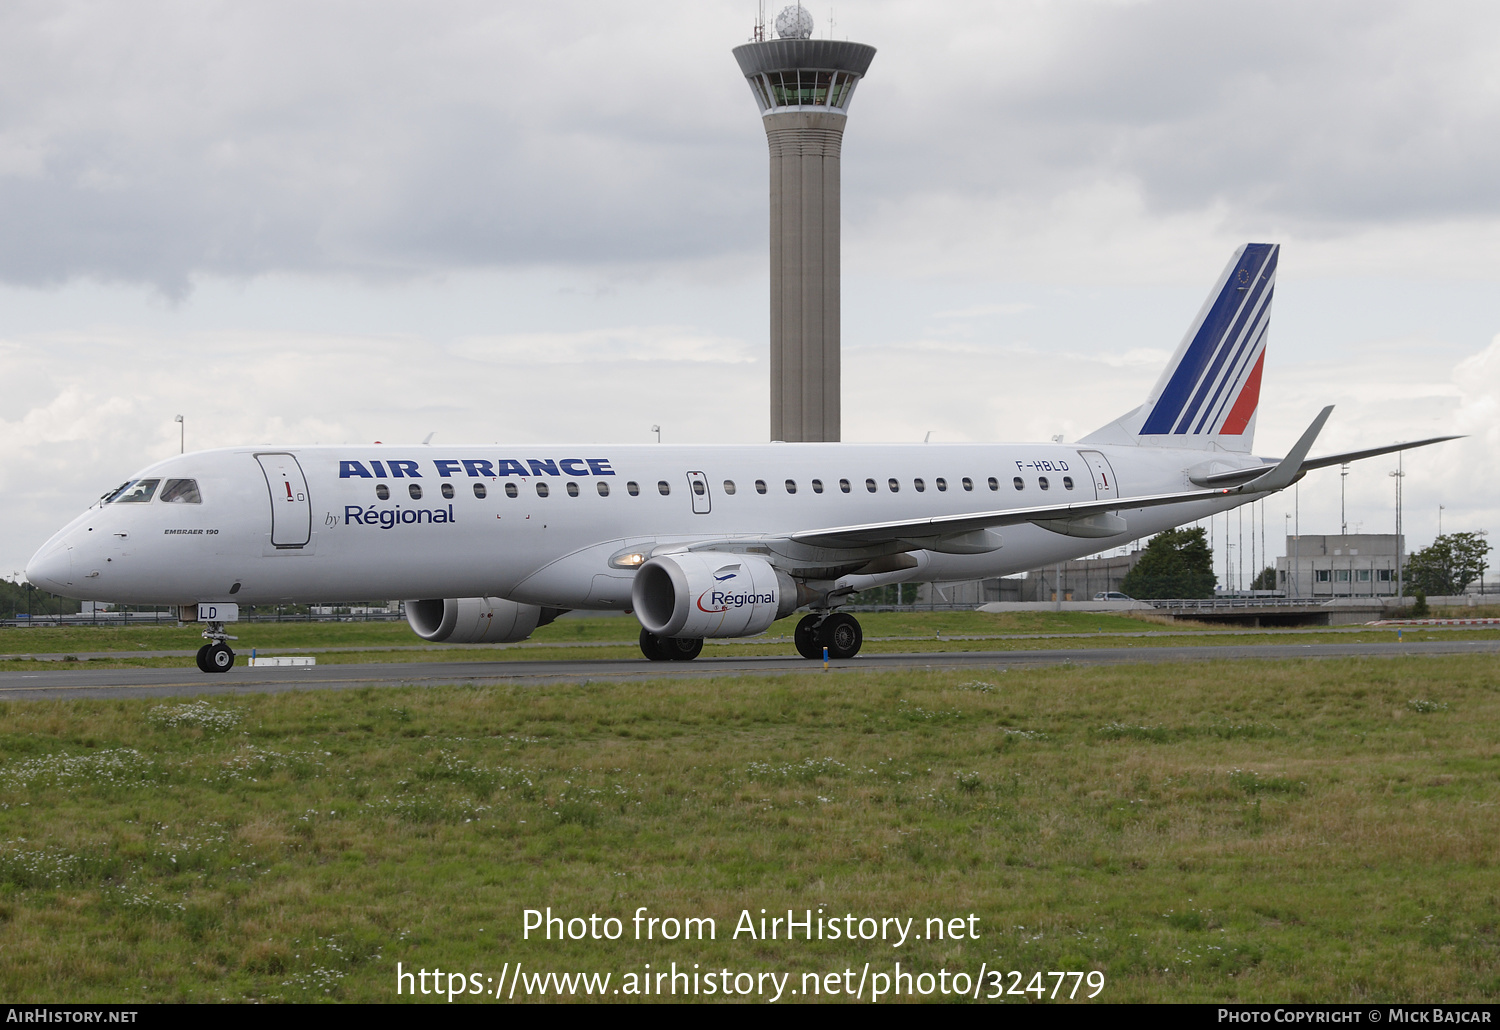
(839, 632)
(670, 649)
(216, 656)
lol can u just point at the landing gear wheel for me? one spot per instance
(203, 658)
(683, 649)
(806, 638)
(841, 634)
(654, 647)
(220, 658)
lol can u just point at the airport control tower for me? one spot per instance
(804, 86)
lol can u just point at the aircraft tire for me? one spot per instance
(841, 634)
(806, 638)
(203, 659)
(653, 647)
(220, 658)
(683, 649)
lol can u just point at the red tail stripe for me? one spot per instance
(1246, 403)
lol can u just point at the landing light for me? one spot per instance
(629, 560)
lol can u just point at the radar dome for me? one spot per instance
(794, 23)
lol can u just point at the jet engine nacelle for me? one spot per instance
(476, 620)
(710, 594)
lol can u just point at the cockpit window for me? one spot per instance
(181, 491)
(137, 491)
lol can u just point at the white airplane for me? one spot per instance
(490, 542)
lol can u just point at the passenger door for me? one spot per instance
(291, 511)
(1104, 475)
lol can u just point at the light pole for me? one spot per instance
(1399, 475)
(1286, 528)
(1343, 519)
(657, 431)
(181, 435)
(1440, 518)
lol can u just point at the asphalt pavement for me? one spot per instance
(81, 682)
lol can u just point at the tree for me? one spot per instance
(18, 597)
(1266, 580)
(1448, 564)
(1177, 563)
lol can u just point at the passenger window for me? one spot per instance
(382, 491)
(919, 486)
(791, 486)
(942, 485)
(572, 489)
(632, 488)
(1067, 482)
(181, 491)
(137, 491)
(603, 488)
(760, 486)
(994, 483)
(729, 486)
(1020, 484)
(541, 489)
(663, 487)
(968, 483)
(844, 485)
(894, 484)
(699, 488)
(448, 491)
(870, 485)
(510, 490)
(1042, 482)
(479, 490)
(817, 486)
(415, 489)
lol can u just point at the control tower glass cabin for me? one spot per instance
(803, 87)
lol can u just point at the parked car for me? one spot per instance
(1112, 595)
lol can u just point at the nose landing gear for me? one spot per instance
(216, 656)
(839, 632)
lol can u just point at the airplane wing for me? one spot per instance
(955, 525)
(965, 533)
(1239, 476)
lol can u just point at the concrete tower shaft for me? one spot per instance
(803, 87)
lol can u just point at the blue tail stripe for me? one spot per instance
(1168, 409)
(1226, 402)
(1250, 307)
(1253, 307)
(1258, 312)
(1243, 360)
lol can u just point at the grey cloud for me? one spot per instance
(1316, 116)
(156, 142)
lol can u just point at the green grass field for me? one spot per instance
(1310, 831)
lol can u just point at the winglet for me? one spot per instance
(1286, 471)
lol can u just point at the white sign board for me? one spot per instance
(218, 612)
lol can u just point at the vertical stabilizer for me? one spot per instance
(1208, 395)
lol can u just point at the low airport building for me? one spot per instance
(1358, 565)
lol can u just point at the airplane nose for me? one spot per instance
(51, 568)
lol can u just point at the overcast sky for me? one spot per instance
(332, 222)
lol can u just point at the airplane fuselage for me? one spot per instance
(547, 525)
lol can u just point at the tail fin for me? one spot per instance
(1208, 394)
